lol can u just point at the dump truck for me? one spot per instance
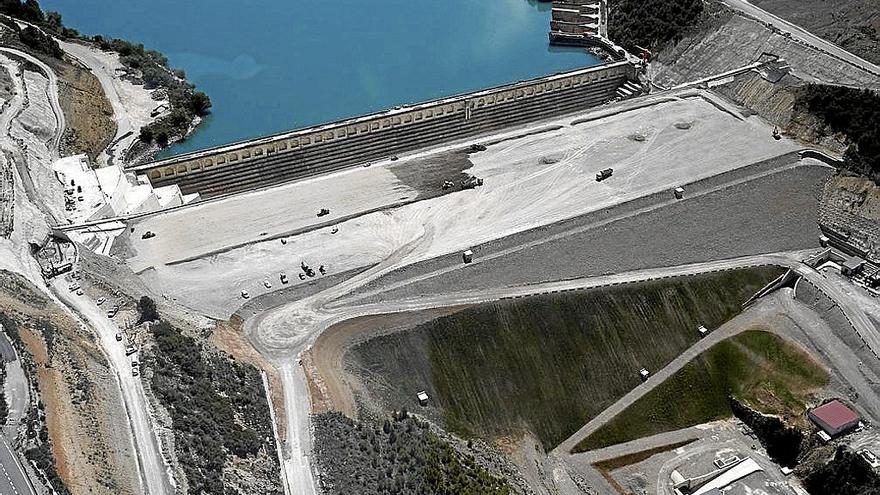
(604, 174)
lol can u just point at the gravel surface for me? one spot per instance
(736, 221)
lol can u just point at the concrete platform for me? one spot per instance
(653, 144)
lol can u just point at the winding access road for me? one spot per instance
(51, 93)
(125, 129)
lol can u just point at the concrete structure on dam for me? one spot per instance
(579, 23)
(357, 141)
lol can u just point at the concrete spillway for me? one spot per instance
(330, 147)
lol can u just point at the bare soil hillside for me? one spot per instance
(851, 24)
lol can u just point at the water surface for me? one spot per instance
(275, 65)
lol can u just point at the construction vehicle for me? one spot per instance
(283, 241)
(322, 270)
(244, 294)
(74, 287)
(448, 184)
(679, 192)
(148, 234)
(135, 372)
(467, 256)
(776, 134)
(129, 350)
(266, 284)
(393, 158)
(119, 337)
(477, 147)
(323, 212)
(101, 300)
(112, 311)
(470, 182)
(302, 276)
(334, 230)
(283, 278)
(604, 174)
(79, 292)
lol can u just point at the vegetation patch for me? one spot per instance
(548, 364)
(846, 474)
(852, 112)
(756, 367)
(651, 23)
(401, 456)
(218, 409)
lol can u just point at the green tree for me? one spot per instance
(200, 103)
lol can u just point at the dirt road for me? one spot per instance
(52, 94)
(132, 105)
(154, 473)
(12, 477)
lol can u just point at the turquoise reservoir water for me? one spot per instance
(274, 65)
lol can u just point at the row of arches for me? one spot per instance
(379, 123)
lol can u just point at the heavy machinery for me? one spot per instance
(323, 212)
(470, 182)
(604, 174)
(148, 234)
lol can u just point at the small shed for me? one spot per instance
(852, 266)
(423, 398)
(467, 256)
(834, 418)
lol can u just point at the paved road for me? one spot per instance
(13, 479)
(154, 473)
(802, 35)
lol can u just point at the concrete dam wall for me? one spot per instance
(330, 147)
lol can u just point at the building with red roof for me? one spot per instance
(834, 418)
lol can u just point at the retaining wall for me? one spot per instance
(326, 148)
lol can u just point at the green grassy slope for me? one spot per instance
(548, 364)
(756, 367)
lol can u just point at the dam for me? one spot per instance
(358, 141)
